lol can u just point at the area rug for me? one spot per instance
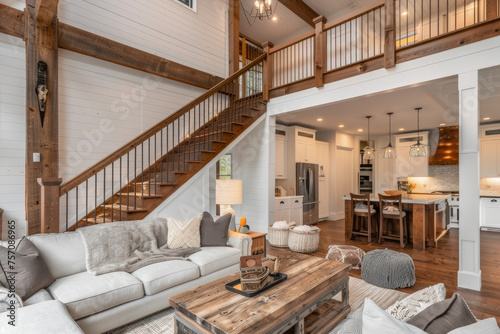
(163, 321)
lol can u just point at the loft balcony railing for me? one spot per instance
(379, 35)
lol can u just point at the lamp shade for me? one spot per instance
(228, 191)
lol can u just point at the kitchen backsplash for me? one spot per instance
(441, 178)
(490, 186)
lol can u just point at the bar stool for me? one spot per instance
(361, 208)
(391, 207)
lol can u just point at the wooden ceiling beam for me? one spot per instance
(301, 9)
(45, 11)
(81, 41)
(11, 21)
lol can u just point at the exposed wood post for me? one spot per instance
(390, 36)
(267, 69)
(491, 9)
(319, 50)
(234, 35)
(41, 45)
(243, 61)
(50, 204)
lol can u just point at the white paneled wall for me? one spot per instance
(102, 106)
(12, 131)
(251, 165)
(161, 27)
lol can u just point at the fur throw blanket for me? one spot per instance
(128, 246)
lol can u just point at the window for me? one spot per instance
(224, 166)
(188, 3)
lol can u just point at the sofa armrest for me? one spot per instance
(241, 241)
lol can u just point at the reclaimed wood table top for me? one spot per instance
(221, 311)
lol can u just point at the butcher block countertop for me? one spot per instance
(413, 198)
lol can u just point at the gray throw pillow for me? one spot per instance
(214, 233)
(32, 273)
(444, 316)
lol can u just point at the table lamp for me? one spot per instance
(228, 192)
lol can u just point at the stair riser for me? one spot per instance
(142, 187)
(183, 157)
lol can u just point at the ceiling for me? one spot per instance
(288, 25)
(438, 99)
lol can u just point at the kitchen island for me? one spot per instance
(428, 214)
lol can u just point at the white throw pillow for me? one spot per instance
(377, 321)
(184, 233)
(486, 326)
(417, 302)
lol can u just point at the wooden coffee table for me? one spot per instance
(301, 304)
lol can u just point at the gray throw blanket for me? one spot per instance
(128, 246)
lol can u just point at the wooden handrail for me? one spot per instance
(91, 171)
(360, 12)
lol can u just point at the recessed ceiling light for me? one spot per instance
(360, 130)
(404, 13)
(320, 119)
(275, 18)
(486, 119)
(341, 125)
(442, 124)
(401, 129)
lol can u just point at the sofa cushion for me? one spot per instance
(41, 296)
(85, 294)
(33, 273)
(63, 252)
(184, 233)
(214, 233)
(163, 275)
(377, 321)
(444, 316)
(212, 259)
(47, 317)
(417, 302)
(486, 326)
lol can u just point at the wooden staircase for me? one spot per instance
(137, 178)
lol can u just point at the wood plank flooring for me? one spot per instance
(432, 266)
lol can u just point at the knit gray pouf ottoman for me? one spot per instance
(388, 269)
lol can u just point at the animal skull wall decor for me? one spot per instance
(41, 89)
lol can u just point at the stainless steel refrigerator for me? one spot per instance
(307, 185)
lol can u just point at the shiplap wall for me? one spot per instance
(12, 131)
(162, 27)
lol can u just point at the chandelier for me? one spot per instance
(260, 9)
(390, 152)
(368, 152)
(417, 150)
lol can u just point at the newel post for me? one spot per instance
(49, 204)
(390, 36)
(319, 50)
(267, 71)
(491, 9)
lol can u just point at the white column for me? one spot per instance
(469, 273)
(271, 126)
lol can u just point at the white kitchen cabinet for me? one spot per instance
(322, 159)
(411, 167)
(296, 211)
(490, 212)
(281, 157)
(305, 145)
(288, 209)
(490, 158)
(324, 208)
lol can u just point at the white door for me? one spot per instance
(311, 151)
(490, 155)
(300, 151)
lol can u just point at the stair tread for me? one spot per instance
(139, 194)
(125, 208)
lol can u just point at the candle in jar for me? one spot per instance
(243, 221)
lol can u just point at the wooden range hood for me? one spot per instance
(447, 149)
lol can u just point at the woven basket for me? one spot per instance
(303, 242)
(278, 237)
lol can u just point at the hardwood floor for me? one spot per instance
(434, 265)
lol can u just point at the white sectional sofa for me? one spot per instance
(103, 302)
